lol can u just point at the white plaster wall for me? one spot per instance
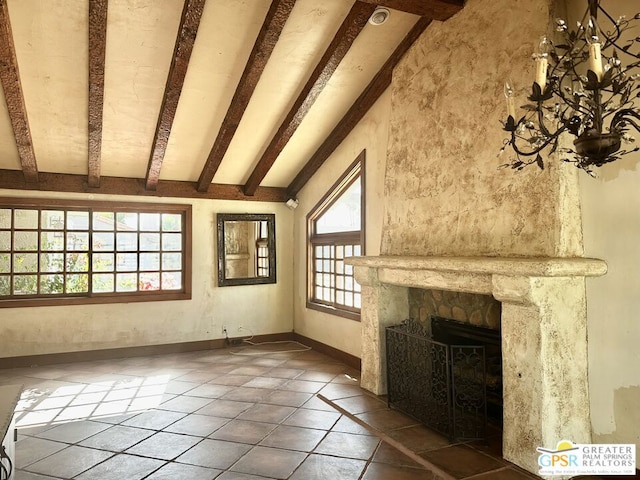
(258, 309)
(611, 227)
(370, 134)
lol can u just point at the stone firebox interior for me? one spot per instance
(544, 338)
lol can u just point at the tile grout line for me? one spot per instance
(387, 439)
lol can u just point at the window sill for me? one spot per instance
(334, 311)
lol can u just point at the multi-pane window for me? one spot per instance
(262, 249)
(336, 231)
(93, 253)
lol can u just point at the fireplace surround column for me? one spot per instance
(544, 335)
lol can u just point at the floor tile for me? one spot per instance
(254, 371)
(294, 438)
(285, 372)
(117, 438)
(419, 438)
(177, 387)
(198, 377)
(391, 455)
(381, 471)
(346, 425)
(214, 454)
(303, 386)
(22, 475)
(32, 449)
(336, 391)
(287, 398)
(197, 425)
(73, 432)
(265, 382)
(210, 390)
(360, 404)
(225, 408)
(235, 380)
(240, 476)
(165, 446)
(312, 419)
(272, 462)
(154, 419)
(506, 474)
(315, 403)
(243, 431)
(185, 404)
(321, 467)
(181, 471)
(461, 461)
(316, 376)
(122, 466)
(69, 462)
(387, 420)
(267, 413)
(246, 394)
(348, 445)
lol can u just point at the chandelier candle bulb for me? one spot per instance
(508, 93)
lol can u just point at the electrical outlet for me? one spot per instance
(224, 330)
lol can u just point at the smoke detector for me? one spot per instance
(379, 16)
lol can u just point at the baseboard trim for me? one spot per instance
(344, 357)
(127, 352)
(146, 350)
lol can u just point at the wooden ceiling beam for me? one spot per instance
(10, 78)
(351, 27)
(187, 31)
(262, 48)
(360, 107)
(97, 49)
(57, 182)
(433, 9)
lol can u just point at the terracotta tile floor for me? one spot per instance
(247, 413)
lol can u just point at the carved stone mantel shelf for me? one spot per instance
(544, 335)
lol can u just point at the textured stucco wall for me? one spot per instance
(32, 331)
(370, 135)
(444, 194)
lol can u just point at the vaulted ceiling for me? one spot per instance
(239, 99)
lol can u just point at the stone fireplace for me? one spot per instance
(544, 336)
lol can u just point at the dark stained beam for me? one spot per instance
(57, 182)
(360, 107)
(351, 26)
(189, 23)
(10, 78)
(97, 49)
(433, 9)
(263, 47)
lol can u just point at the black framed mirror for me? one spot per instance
(246, 248)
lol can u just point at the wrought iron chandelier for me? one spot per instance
(586, 85)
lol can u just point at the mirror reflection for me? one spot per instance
(246, 249)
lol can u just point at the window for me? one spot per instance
(65, 253)
(336, 231)
(262, 249)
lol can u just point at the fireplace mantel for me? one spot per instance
(544, 335)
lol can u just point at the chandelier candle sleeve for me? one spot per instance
(595, 49)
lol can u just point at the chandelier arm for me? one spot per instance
(537, 150)
(622, 116)
(613, 40)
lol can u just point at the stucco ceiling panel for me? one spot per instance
(227, 32)
(305, 37)
(51, 46)
(140, 40)
(368, 54)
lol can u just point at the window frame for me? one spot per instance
(185, 210)
(352, 173)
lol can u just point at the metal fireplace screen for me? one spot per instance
(443, 386)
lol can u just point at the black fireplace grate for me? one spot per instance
(443, 386)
